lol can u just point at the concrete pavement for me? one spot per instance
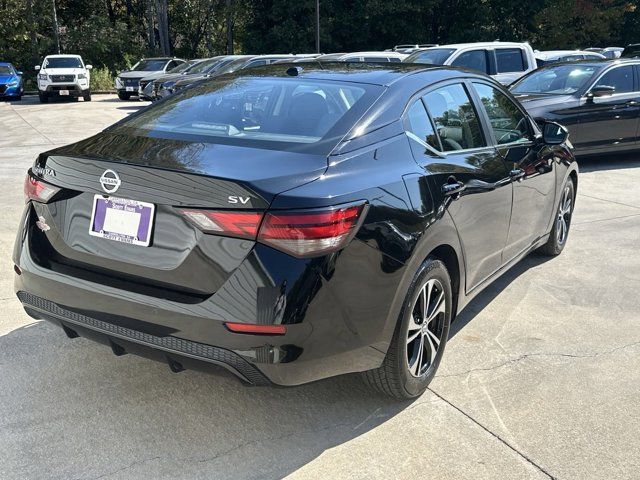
(541, 378)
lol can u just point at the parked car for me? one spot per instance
(372, 57)
(291, 224)
(608, 52)
(128, 82)
(235, 63)
(11, 82)
(599, 102)
(563, 56)
(164, 85)
(631, 51)
(64, 76)
(505, 61)
(412, 48)
(145, 87)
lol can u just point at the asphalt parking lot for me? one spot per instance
(541, 378)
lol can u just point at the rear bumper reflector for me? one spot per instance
(252, 328)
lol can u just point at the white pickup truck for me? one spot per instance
(63, 76)
(504, 61)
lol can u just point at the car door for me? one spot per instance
(477, 60)
(511, 63)
(449, 142)
(532, 174)
(611, 122)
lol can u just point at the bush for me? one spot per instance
(101, 80)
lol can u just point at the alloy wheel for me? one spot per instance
(564, 215)
(426, 326)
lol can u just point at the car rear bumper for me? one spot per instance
(333, 323)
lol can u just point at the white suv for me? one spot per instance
(65, 76)
(504, 61)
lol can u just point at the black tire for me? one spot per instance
(561, 222)
(124, 96)
(394, 377)
(43, 97)
(87, 96)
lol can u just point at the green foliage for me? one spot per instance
(101, 80)
(115, 34)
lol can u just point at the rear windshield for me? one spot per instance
(277, 113)
(5, 70)
(432, 56)
(560, 80)
(149, 65)
(63, 62)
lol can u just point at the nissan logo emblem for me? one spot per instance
(110, 181)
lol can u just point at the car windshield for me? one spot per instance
(247, 111)
(182, 67)
(149, 65)
(207, 65)
(433, 56)
(559, 80)
(5, 70)
(63, 62)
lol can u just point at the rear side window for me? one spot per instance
(620, 78)
(249, 111)
(420, 125)
(455, 118)
(475, 60)
(510, 60)
(508, 123)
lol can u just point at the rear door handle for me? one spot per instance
(517, 174)
(453, 188)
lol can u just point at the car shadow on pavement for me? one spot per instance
(608, 162)
(88, 413)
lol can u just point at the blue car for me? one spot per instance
(11, 83)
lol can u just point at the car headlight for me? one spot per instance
(119, 83)
(82, 76)
(13, 83)
(43, 76)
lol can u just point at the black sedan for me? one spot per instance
(599, 102)
(291, 223)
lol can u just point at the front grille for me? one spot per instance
(131, 82)
(201, 351)
(62, 78)
(3, 88)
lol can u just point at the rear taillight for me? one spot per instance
(38, 190)
(229, 223)
(311, 232)
(299, 233)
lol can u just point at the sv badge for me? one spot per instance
(236, 199)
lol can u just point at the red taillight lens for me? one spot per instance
(229, 223)
(299, 233)
(309, 233)
(254, 329)
(38, 190)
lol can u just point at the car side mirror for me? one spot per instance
(37, 67)
(601, 91)
(88, 67)
(554, 133)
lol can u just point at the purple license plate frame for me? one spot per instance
(122, 220)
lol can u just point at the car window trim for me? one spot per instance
(610, 69)
(406, 124)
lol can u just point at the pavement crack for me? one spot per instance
(520, 454)
(539, 354)
(122, 469)
(609, 201)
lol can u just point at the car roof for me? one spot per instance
(478, 44)
(6, 64)
(383, 74)
(63, 55)
(374, 54)
(546, 54)
(605, 62)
